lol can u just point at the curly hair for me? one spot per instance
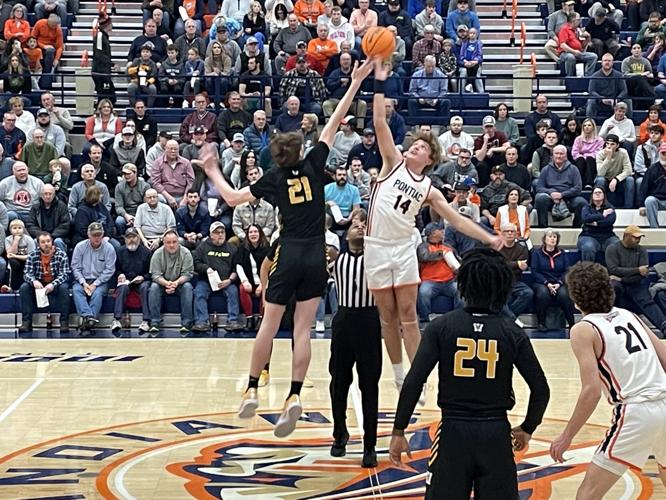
(485, 279)
(286, 148)
(590, 287)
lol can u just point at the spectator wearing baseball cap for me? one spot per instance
(143, 71)
(127, 150)
(93, 266)
(461, 16)
(232, 155)
(367, 151)
(133, 283)
(396, 16)
(437, 267)
(129, 194)
(345, 139)
(462, 199)
(627, 262)
(615, 172)
(489, 149)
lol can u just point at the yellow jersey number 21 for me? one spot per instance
(299, 190)
(482, 349)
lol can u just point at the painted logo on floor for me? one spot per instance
(220, 456)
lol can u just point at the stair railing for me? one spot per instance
(523, 39)
(514, 13)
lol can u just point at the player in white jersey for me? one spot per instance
(402, 188)
(619, 354)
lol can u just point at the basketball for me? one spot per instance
(378, 42)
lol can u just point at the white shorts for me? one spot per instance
(390, 264)
(637, 431)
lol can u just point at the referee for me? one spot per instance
(356, 338)
(476, 349)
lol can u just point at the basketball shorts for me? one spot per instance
(390, 264)
(298, 270)
(637, 431)
(471, 455)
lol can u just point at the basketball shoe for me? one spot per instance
(290, 414)
(249, 403)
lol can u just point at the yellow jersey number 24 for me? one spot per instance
(482, 349)
(299, 190)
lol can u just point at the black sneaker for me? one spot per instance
(369, 458)
(201, 327)
(184, 331)
(154, 331)
(91, 323)
(26, 327)
(339, 447)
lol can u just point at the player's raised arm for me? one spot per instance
(582, 342)
(359, 73)
(463, 224)
(390, 154)
(231, 196)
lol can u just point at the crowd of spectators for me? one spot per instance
(140, 217)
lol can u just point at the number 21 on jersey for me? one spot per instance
(482, 349)
(299, 190)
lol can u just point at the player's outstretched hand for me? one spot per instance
(496, 243)
(558, 447)
(398, 446)
(360, 73)
(381, 71)
(208, 155)
(520, 438)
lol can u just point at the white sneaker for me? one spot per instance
(519, 323)
(116, 326)
(320, 326)
(144, 327)
(290, 414)
(468, 87)
(185, 104)
(249, 404)
(658, 102)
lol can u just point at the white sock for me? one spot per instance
(399, 372)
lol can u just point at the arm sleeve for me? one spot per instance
(529, 368)
(425, 360)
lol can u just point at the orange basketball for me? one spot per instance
(378, 42)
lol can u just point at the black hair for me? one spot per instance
(485, 279)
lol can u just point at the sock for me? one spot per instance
(253, 383)
(267, 367)
(399, 372)
(295, 388)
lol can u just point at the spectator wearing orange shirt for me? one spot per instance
(49, 38)
(17, 26)
(34, 55)
(362, 19)
(321, 48)
(653, 118)
(438, 265)
(308, 11)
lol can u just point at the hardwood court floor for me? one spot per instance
(155, 419)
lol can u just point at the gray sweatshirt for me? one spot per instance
(78, 195)
(93, 264)
(20, 197)
(171, 266)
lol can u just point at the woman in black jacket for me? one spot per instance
(93, 210)
(17, 79)
(249, 258)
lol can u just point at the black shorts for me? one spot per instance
(471, 455)
(299, 269)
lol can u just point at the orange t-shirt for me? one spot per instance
(322, 50)
(46, 267)
(437, 270)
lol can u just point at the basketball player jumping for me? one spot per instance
(476, 349)
(299, 268)
(616, 352)
(402, 188)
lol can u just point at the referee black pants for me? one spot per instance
(356, 338)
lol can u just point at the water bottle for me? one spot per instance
(49, 321)
(215, 322)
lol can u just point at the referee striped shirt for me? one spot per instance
(349, 276)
